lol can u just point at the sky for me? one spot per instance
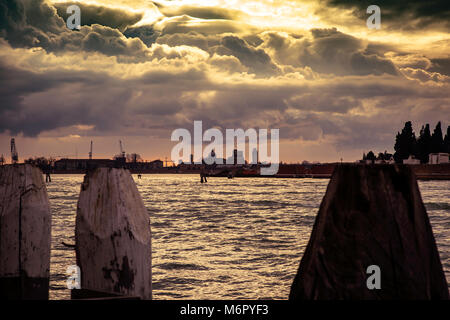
(138, 69)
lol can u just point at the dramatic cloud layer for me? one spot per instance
(94, 14)
(404, 14)
(137, 68)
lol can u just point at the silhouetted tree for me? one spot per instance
(45, 164)
(437, 142)
(381, 156)
(424, 144)
(371, 156)
(405, 143)
(447, 141)
(387, 155)
(134, 157)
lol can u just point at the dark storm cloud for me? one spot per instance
(28, 23)
(365, 64)
(440, 65)
(147, 34)
(324, 102)
(310, 111)
(11, 15)
(342, 53)
(92, 14)
(34, 102)
(14, 84)
(37, 24)
(388, 86)
(403, 14)
(108, 41)
(25, 108)
(329, 51)
(162, 101)
(257, 60)
(326, 51)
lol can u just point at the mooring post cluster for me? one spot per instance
(113, 239)
(25, 224)
(371, 218)
(112, 236)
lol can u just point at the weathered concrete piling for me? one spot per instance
(112, 233)
(371, 215)
(25, 233)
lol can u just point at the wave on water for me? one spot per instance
(227, 239)
(180, 266)
(437, 205)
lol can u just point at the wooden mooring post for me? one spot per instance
(372, 239)
(25, 233)
(112, 234)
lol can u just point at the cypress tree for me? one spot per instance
(447, 141)
(424, 144)
(405, 143)
(437, 142)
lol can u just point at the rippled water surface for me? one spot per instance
(227, 239)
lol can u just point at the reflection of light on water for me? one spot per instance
(227, 239)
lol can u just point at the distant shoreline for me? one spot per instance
(423, 172)
(291, 171)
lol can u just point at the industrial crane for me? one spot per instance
(90, 152)
(121, 157)
(14, 155)
(121, 149)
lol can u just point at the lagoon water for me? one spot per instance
(227, 239)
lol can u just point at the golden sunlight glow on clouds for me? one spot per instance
(140, 69)
(291, 15)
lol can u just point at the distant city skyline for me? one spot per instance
(29, 147)
(108, 147)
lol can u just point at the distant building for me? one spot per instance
(437, 158)
(389, 160)
(83, 164)
(157, 164)
(255, 158)
(411, 160)
(212, 159)
(237, 158)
